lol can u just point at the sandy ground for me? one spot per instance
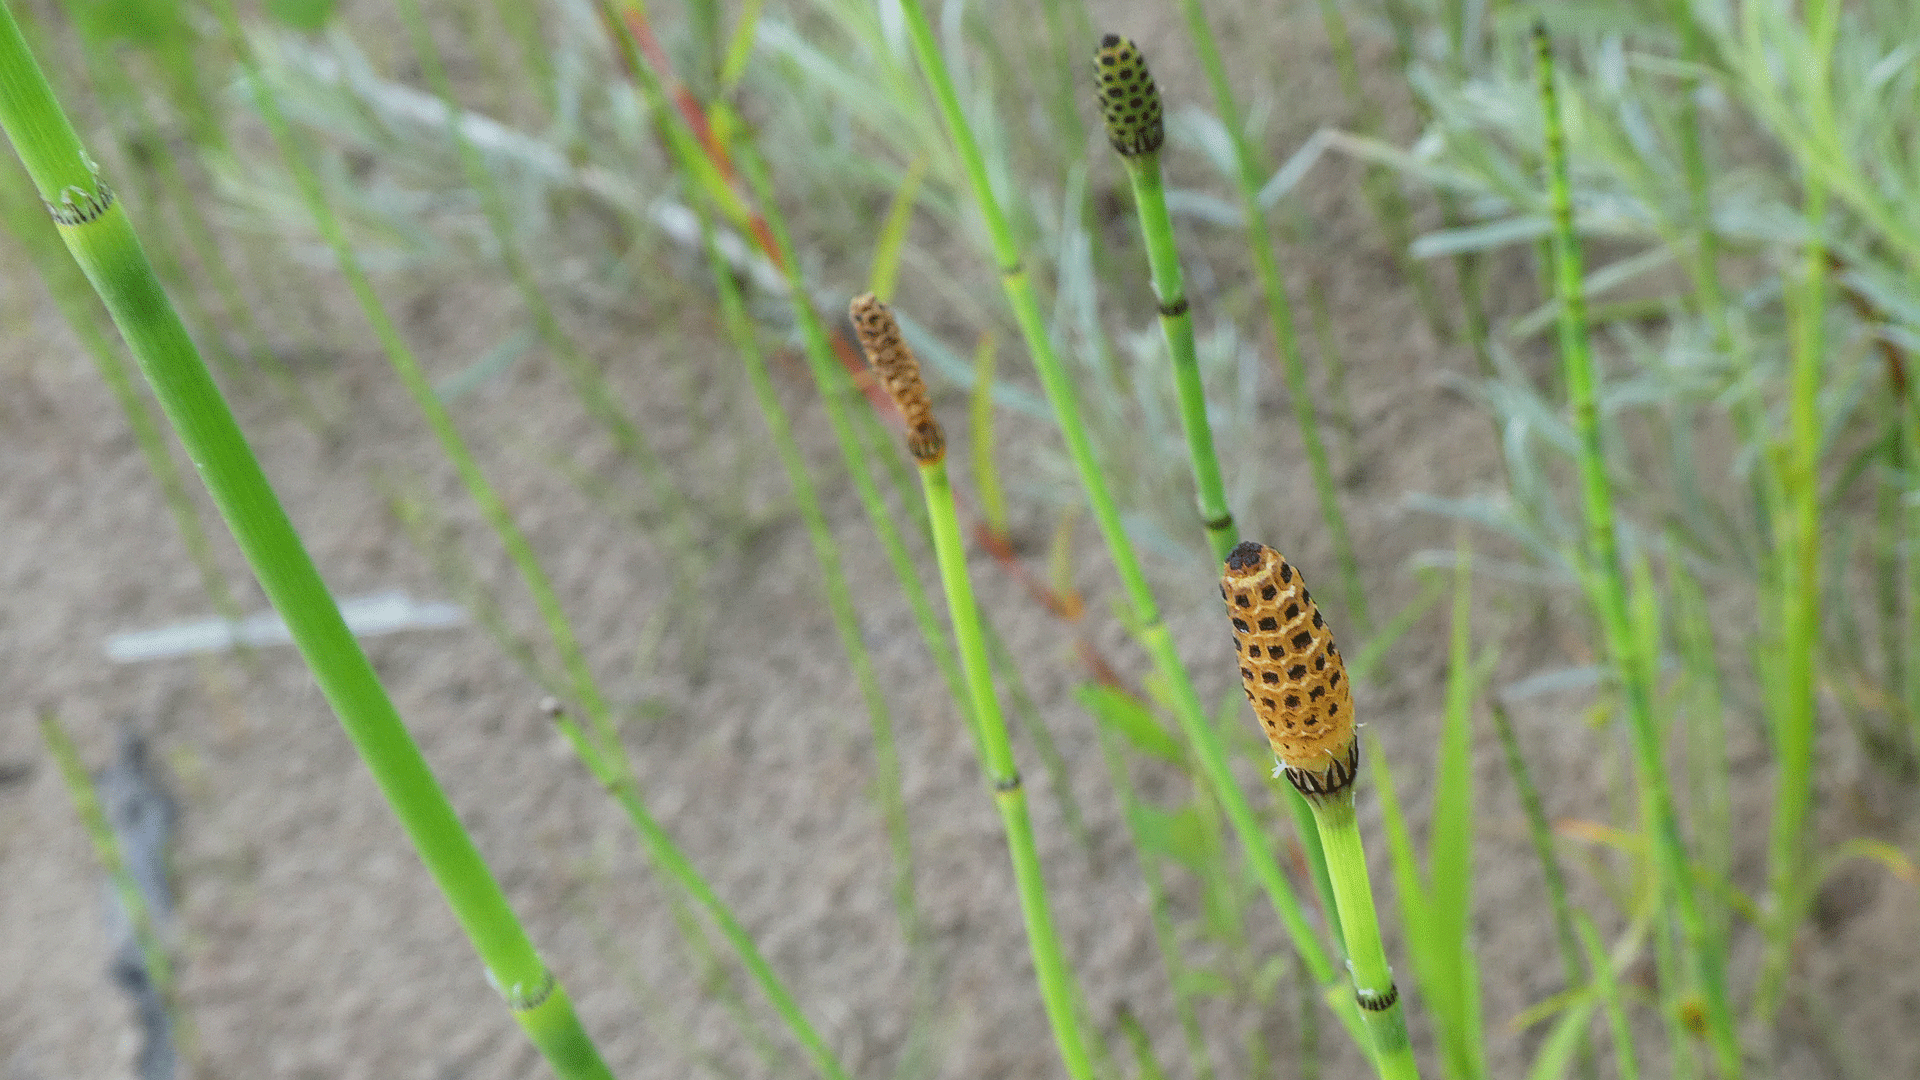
(312, 945)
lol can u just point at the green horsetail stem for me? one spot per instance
(1604, 579)
(899, 373)
(1130, 102)
(1297, 684)
(1293, 364)
(1152, 630)
(100, 236)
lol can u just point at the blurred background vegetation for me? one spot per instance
(526, 188)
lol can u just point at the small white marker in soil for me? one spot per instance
(367, 616)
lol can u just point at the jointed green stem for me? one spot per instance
(1176, 324)
(1153, 633)
(1606, 584)
(1367, 957)
(102, 240)
(996, 758)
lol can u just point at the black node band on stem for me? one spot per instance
(1006, 785)
(1373, 1002)
(521, 1000)
(1224, 521)
(89, 207)
(1174, 310)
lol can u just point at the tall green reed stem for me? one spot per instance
(1793, 697)
(1605, 583)
(1152, 632)
(101, 238)
(900, 373)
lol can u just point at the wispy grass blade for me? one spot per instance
(597, 743)
(1382, 188)
(154, 953)
(1540, 834)
(1453, 990)
(826, 551)
(676, 511)
(25, 218)
(1625, 1062)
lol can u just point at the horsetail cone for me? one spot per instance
(1293, 672)
(1128, 99)
(899, 373)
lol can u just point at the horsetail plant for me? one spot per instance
(98, 232)
(1152, 629)
(1130, 104)
(899, 373)
(1297, 684)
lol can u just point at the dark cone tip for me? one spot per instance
(1109, 41)
(1245, 555)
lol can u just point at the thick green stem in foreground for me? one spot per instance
(1373, 984)
(1153, 633)
(102, 240)
(1176, 325)
(996, 758)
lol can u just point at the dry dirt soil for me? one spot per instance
(311, 943)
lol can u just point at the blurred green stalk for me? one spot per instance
(1605, 583)
(102, 240)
